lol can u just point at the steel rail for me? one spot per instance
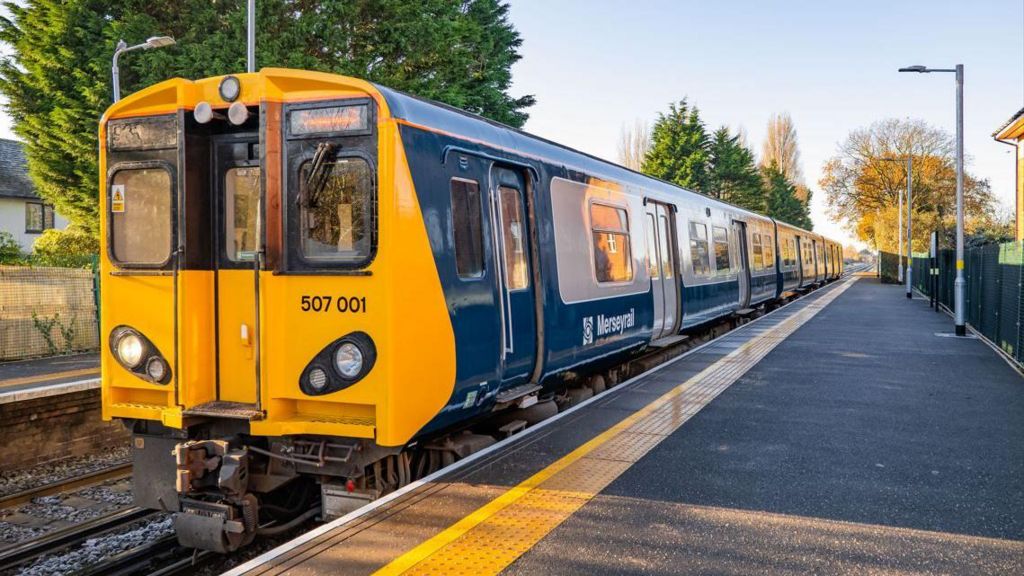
(18, 554)
(18, 498)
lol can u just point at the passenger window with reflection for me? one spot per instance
(722, 261)
(610, 233)
(515, 244)
(758, 259)
(700, 257)
(467, 228)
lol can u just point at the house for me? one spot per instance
(22, 213)
(1012, 133)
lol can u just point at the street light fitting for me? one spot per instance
(915, 68)
(159, 42)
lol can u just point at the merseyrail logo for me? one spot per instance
(607, 325)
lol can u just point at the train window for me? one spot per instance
(337, 214)
(652, 249)
(721, 238)
(666, 260)
(515, 245)
(140, 225)
(467, 228)
(609, 228)
(700, 257)
(792, 252)
(769, 252)
(758, 263)
(241, 203)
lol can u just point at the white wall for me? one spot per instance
(12, 219)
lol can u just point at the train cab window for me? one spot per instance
(609, 228)
(241, 203)
(337, 213)
(769, 252)
(700, 257)
(467, 228)
(140, 210)
(721, 238)
(515, 245)
(758, 261)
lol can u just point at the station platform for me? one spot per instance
(28, 379)
(843, 433)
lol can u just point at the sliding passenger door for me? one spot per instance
(662, 266)
(740, 231)
(511, 241)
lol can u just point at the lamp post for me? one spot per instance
(910, 226)
(960, 285)
(122, 47)
(250, 36)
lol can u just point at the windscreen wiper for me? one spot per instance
(318, 174)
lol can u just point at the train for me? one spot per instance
(316, 289)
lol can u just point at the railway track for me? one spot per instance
(118, 471)
(22, 553)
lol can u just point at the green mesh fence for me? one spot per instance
(994, 275)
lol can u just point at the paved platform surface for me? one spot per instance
(42, 376)
(840, 434)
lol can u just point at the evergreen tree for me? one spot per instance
(781, 199)
(57, 79)
(679, 151)
(733, 175)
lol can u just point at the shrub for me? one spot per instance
(10, 250)
(62, 243)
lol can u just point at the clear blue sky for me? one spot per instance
(595, 65)
(832, 65)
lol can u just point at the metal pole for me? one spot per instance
(250, 56)
(899, 243)
(910, 228)
(960, 285)
(115, 72)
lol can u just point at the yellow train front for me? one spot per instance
(252, 287)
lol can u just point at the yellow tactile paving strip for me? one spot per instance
(496, 534)
(52, 376)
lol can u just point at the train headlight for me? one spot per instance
(317, 379)
(340, 364)
(157, 369)
(348, 360)
(129, 349)
(138, 355)
(230, 88)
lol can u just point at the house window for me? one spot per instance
(38, 217)
(610, 233)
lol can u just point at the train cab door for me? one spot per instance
(236, 188)
(514, 280)
(743, 273)
(662, 268)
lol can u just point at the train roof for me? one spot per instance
(442, 117)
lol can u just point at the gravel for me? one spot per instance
(13, 533)
(19, 480)
(95, 550)
(104, 493)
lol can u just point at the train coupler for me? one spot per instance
(216, 512)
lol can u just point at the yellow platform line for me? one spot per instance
(490, 538)
(48, 377)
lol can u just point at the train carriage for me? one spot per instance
(313, 286)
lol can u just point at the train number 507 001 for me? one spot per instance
(354, 304)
